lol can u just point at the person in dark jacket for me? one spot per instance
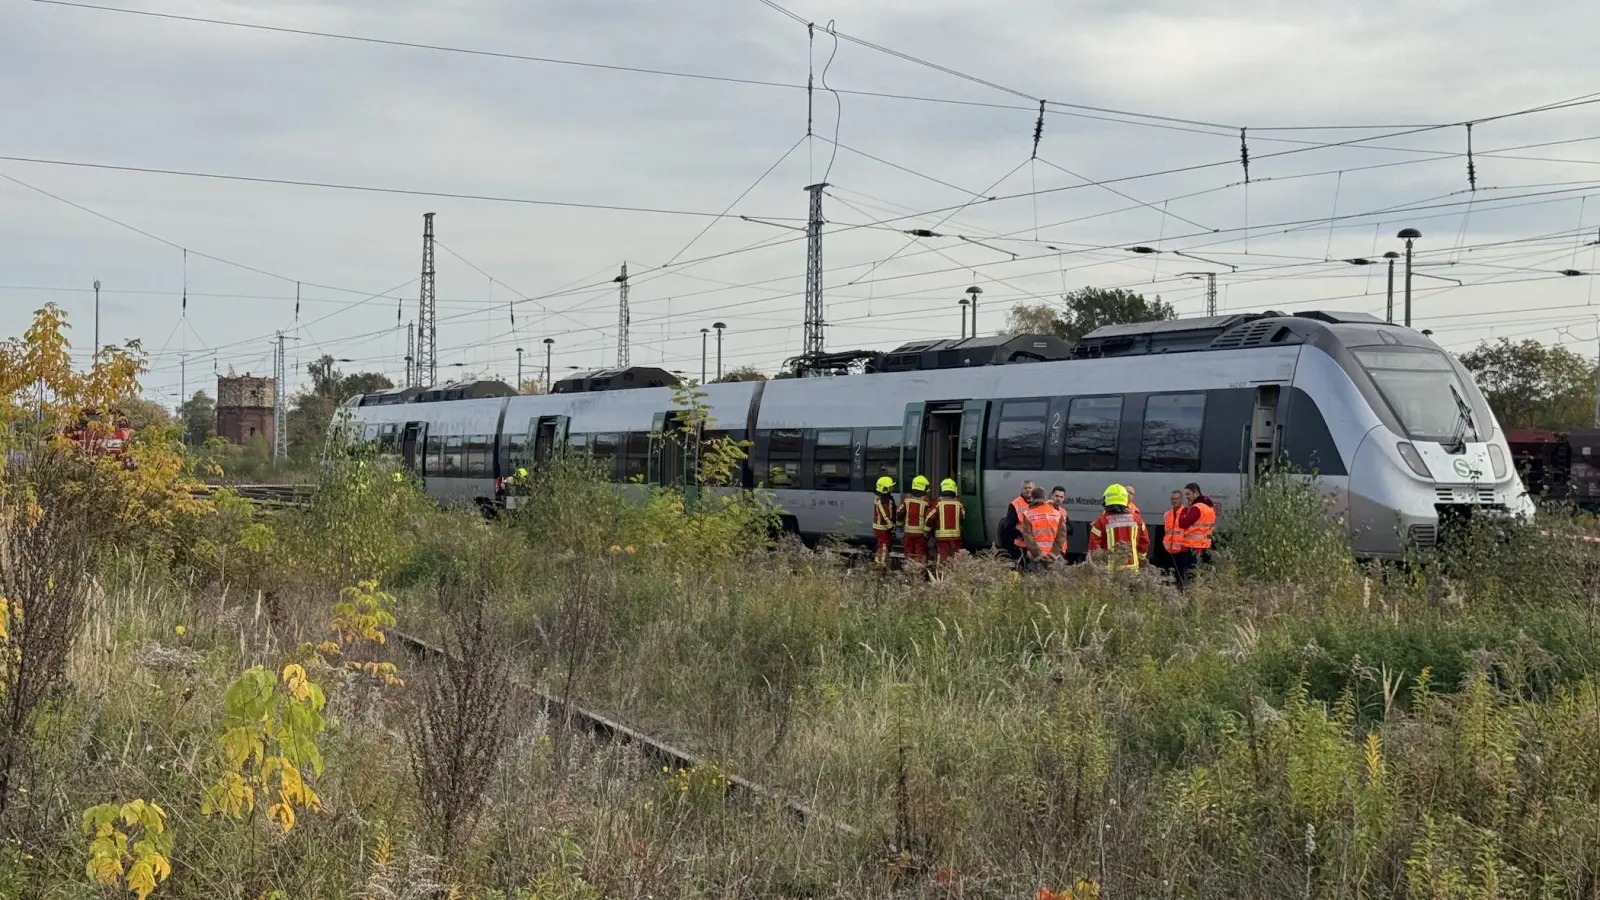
(1010, 526)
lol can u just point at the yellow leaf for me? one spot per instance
(283, 814)
(296, 682)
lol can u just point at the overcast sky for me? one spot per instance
(92, 86)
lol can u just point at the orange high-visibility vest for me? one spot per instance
(883, 514)
(947, 516)
(1045, 522)
(1021, 506)
(916, 512)
(1173, 537)
(1198, 536)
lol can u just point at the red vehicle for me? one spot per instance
(103, 433)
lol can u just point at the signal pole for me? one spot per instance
(622, 317)
(814, 340)
(96, 321)
(427, 366)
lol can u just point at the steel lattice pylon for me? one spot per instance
(815, 340)
(427, 365)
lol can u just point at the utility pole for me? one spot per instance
(973, 292)
(411, 354)
(704, 332)
(279, 439)
(814, 340)
(548, 344)
(1408, 235)
(1211, 293)
(183, 378)
(519, 370)
(719, 326)
(622, 317)
(96, 322)
(964, 304)
(427, 319)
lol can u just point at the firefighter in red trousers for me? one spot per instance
(916, 511)
(1119, 534)
(885, 516)
(948, 511)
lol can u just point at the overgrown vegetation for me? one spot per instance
(206, 701)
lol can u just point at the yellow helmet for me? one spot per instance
(885, 484)
(1116, 495)
(949, 484)
(919, 483)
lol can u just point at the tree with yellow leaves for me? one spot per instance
(129, 845)
(271, 730)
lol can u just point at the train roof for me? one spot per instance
(1230, 332)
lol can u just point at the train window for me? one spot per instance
(1171, 439)
(478, 456)
(386, 439)
(452, 467)
(637, 462)
(604, 446)
(435, 449)
(883, 453)
(832, 461)
(1019, 437)
(783, 458)
(578, 444)
(1092, 426)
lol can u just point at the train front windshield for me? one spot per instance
(1425, 393)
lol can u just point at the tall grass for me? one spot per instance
(1291, 725)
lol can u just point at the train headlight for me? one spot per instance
(1413, 459)
(1497, 458)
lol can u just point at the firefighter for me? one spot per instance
(1011, 525)
(915, 512)
(885, 516)
(1174, 539)
(516, 486)
(947, 515)
(1041, 531)
(1119, 531)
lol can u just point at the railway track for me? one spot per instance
(278, 495)
(608, 729)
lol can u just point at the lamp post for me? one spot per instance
(964, 304)
(519, 370)
(973, 292)
(1408, 235)
(548, 344)
(96, 320)
(719, 326)
(704, 333)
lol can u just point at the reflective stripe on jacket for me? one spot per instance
(1044, 524)
(1173, 535)
(947, 516)
(916, 514)
(883, 514)
(1198, 535)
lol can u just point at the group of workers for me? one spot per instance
(922, 517)
(1036, 526)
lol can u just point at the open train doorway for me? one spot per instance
(944, 439)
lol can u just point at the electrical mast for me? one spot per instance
(1211, 293)
(426, 370)
(280, 437)
(622, 317)
(411, 354)
(814, 340)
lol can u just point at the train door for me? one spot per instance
(1263, 436)
(413, 443)
(674, 455)
(549, 436)
(942, 440)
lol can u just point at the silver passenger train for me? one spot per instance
(1393, 426)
